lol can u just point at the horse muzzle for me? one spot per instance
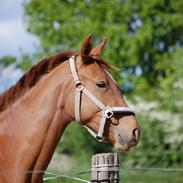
(126, 138)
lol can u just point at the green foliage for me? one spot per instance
(7, 60)
(142, 34)
(161, 144)
(26, 62)
(171, 89)
(154, 150)
(79, 138)
(151, 177)
(145, 42)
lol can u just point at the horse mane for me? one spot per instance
(30, 79)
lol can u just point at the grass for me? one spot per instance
(151, 177)
(83, 164)
(137, 177)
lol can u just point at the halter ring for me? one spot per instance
(100, 139)
(107, 112)
(79, 86)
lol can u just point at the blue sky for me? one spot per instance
(13, 38)
(13, 34)
(9, 76)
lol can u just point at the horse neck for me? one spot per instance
(39, 120)
(55, 119)
(44, 104)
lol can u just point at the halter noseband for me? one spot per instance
(107, 112)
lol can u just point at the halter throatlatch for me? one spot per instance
(107, 112)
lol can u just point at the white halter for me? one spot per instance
(107, 112)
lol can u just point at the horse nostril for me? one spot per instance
(135, 133)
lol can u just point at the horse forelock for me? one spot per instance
(32, 77)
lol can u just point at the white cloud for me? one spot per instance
(13, 34)
(9, 76)
(11, 9)
(14, 37)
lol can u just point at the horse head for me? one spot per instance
(95, 100)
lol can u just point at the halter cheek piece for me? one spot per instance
(107, 112)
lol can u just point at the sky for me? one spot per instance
(9, 76)
(13, 38)
(13, 34)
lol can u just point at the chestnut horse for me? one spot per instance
(60, 89)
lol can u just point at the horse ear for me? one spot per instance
(96, 52)
(86, 48)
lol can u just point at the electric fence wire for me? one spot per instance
(72, 175)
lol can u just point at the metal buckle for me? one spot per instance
(100, 139)
(107, 112)
(79, 86)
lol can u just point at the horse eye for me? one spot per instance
(101, 84)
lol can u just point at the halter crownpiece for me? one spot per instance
(107, 112)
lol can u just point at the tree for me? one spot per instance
(162, 139)
(7, 60)
(142, 34)
(145, 42)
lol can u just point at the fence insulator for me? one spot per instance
(105, 168)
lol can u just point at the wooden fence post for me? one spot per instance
(105, 168)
